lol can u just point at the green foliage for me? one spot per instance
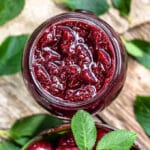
(9, 9)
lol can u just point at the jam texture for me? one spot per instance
(73, 60)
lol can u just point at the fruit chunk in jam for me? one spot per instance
(73, 60)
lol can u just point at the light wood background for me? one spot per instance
(16, 102)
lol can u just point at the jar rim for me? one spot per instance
(88, 19)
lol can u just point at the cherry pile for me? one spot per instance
(65, 142)
(73, 60)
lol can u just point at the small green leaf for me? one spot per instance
(117, 140)
(139, 49)
(22, 140)
(10, 9)
(10, 54)
(96, 6)
(123, 6)
(84, 130)
(132, 49)
(30, 126)
(142, 112)
(7, 145)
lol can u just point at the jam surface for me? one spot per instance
(73, 60)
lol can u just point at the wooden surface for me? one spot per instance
(16, 102)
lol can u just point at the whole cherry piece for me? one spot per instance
(67, 142)
(100, 134)
(40, 145)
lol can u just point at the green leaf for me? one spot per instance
(132, 49)
(10, 54)
(7, 145)
(142, 112)
(22, 140)
(123, 6)
(30, 126)
(9, 9)
(117, 140)
(140, 50)
(96, 6)
(84, 130)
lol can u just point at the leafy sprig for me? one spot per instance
(9, 9)
(83, 128)
(25, 130)
(142, 112)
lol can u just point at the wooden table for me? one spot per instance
(16, 102)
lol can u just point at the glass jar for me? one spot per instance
(115, 59)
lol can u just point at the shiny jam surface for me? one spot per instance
(73, 60)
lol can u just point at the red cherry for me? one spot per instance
(100, 134)
(67, 148)
(40, 145)
(67, 142)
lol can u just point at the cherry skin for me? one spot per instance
(100, 133)
(67, 142)
(40, 145)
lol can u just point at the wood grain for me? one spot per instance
(16, 102)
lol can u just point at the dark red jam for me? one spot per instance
(74, 61)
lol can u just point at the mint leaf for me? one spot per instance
(10, 9)
(84, 130)
(142, 112)
(117, 140)
(10, 54)
(140, 50)
(26, 128)
(123, 6)
(97, 6)
(7, 145)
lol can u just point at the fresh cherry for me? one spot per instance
(100, 133)
(67, 142)
(40, 145)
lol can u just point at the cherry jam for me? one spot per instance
(74, 61)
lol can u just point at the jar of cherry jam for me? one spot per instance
(74, 61)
